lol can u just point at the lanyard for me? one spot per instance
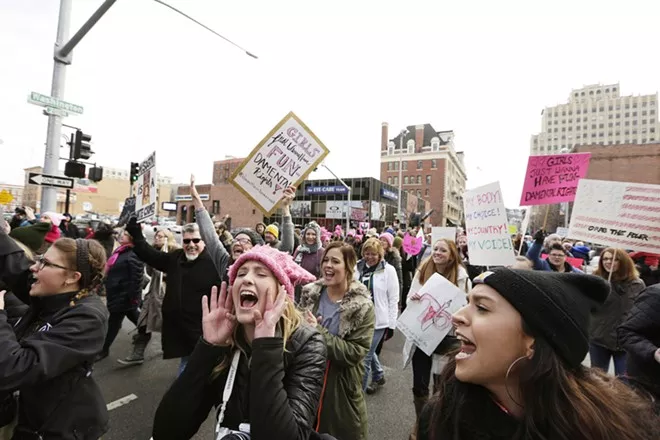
(229, 386)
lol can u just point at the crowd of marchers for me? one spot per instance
(278, 329)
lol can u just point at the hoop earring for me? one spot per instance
(506, 379)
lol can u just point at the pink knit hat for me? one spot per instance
(388, 238)
(280, 264)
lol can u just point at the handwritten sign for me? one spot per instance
(283, 158)
(487, 231)
(618, 214)
(412, 245)
(554, 178)
(147, 193)
(440, 232)
(426, 322)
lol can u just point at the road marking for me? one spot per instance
(121, 402)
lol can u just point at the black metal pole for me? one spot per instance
(66, 203)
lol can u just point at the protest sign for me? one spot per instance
(426, 322)
(554, 178)
(283, 158)
(562, 232)
(127, 210)
(525, 222)
(147, 192)
(618, 214)
(486, 227)
(513, 229)
(440, 232)
(412, 245)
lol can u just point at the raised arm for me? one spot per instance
(287, 224)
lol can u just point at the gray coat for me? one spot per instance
(607, 318)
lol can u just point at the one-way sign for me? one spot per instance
(46, 180)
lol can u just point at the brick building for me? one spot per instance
(219, 198)
(623, 163)
(431, 169)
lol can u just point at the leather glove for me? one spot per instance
(539, 236)
(134, 228)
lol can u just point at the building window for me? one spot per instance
(426, 192)
(601, 134)
(610, 117)
(610, 124)
(618, 115)
(601, 125)
(593, 126)
(634, 105)
(419, 193)
(216, 207)
(419, 180)
(627, 114)
(419, 164)
(643, 121)
(428, 179)
(601, 109)
(627, 106)
(434, 164)
(652, 112)
(389, 166)
(634, 122)
(627, 123)
(610, 108)
(396, 180)
(634, 114)
(652, 130)
(389, 180)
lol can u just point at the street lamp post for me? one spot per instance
(348, 208)
(402, 135)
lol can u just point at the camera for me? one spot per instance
(243, 433)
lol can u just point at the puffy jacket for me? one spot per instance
(639, 335)
(48, 358)
(344, 410)
(607, 318)
(276, 390)
(385, 293)
(123, 282)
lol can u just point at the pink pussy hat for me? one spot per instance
(279, 263)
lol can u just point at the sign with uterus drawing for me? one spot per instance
(427, 321)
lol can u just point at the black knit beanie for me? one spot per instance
(556, 306)
(255, 238)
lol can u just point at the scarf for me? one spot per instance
(304, 248)
(113, 258)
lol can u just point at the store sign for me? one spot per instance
(168, 206)
(338, 189)
(386, 193)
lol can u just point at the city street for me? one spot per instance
(391, 412)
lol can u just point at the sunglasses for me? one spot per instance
(194, 240)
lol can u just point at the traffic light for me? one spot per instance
(95, 174)
(81, 147)
(135, 171)
(74, 169)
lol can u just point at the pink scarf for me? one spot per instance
(113, 258)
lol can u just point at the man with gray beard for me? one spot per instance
(191, 272)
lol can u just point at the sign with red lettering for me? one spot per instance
(486, 226)
(619, 214)
(554, 178)
(283, 158)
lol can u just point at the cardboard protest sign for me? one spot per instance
(283, 158)
(426, 322)
(618, 214)
(127, 211)
(146, 199)
(440, 232)
(486, 227)
(412, 245)
(554, 178)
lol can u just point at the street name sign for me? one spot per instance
(54, 103)
(47, 180)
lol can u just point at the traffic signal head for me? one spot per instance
(81, 147)
(135, 171)
(74, 169)
(95, 174)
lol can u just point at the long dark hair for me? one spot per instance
(559, 403)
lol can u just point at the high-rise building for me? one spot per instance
(431, 169)
(597, 115)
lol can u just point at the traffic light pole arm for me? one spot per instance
(63, 55)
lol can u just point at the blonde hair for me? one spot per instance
(428, 268)
(28, 252)
(170, 240)
(289, 322)
(374, 244)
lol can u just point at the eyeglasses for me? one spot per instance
(41, 262)
(557, 255)
(194, 240)
(242, 240)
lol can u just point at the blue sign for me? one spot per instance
(326, 190)
(386, 193)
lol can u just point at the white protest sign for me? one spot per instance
(618, 214)
(283, 158)
(440, 232)
(426, 322)
(561, 231)
(525, 222)
(487, 231)
(147, 192)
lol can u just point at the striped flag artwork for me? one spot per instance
(619, 214)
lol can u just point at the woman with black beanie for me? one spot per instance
(518, 374)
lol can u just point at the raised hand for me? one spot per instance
(218, 322)
(288, 196)
(264, 326)
(2, 299)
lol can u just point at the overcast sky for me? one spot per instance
(150, 79)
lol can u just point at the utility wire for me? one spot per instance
(207, 28)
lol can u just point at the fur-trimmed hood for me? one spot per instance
(352, 309)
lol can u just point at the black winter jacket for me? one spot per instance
(276, 391)
(48, 358)
(123, 283)
(639, 335)
(187, 282)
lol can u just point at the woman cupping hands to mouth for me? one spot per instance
(257, 363)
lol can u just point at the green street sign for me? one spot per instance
(54, 103)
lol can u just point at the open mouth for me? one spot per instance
(248, 299)
(467, 348)
(328, 274)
